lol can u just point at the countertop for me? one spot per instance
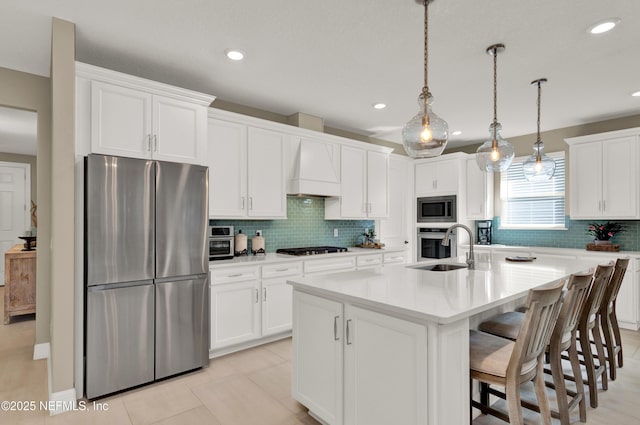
(271, 257)
(441, 297)
(551, 250)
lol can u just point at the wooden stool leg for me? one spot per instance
(605, 321)
(616, 334)
(513, 402)
(577, 374)
(541, 394)
(484, 393)
(585, 346)
(602, 360)
(561, 388)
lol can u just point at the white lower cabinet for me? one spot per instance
(370, 356)
(235, 313)
(249, 303)
(368, 261)
(318, 353)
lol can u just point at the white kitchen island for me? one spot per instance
(390, 345)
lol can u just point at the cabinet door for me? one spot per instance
(353, 168)
(586, 180)
(227, 160)
(179, 131)
(395, 229)
(318, 356)
(627, 301)
(235, 313)
(385, 369)
(120, 121)
(378, 184)
(619, 178)
(266, 174)
(276, 305)
(436, 177)
(479, 192)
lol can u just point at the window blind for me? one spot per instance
(533, 205)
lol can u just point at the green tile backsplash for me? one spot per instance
(574, 237)
(305, 226)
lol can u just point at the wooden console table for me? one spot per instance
(19, 282)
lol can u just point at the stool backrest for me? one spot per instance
(611, 293)
(543, 306)
(601, 280)
(572, 305)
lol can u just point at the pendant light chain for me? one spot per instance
(425, 89)
(495, 91)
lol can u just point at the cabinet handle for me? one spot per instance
(155, 143)
(348, 336)
(335, 328)
(599, 205)
(257, 296)
(281, 270)
(604, 206)
(251, 203)
(242, 202)
(235, 275)
(149, 142)
(264, 294)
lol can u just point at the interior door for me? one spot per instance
(14, 214)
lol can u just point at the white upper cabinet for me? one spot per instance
(137, 118)
(365, 185)
(246, 171)
(604, 175)
(479, 192)
(437, 177)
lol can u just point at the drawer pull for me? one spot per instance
(235, 275)
(281, 270)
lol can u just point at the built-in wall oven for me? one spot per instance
(220, 242)
(430, 244)
(437, 209)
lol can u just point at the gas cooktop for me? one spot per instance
(311, 250)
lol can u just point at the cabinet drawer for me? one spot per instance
(279, 270)
(235, 274)
(393, 257)
(329, 265)
(369, 260)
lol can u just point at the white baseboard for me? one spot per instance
(41, 351)
(62, 401)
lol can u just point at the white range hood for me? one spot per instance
(316, 169)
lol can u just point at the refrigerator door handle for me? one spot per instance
(181, 278)
(108, 286)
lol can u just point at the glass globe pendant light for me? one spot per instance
(426, 134)
(539, 167)
(496, 153)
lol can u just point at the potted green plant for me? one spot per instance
(603, 233)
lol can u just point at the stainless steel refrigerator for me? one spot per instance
(146, 271)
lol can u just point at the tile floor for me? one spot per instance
(251, 387)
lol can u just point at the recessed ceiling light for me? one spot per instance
(636, 93)
(234, 55)
(456, 133)
(379, 105)
(604, 26)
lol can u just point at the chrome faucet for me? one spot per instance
(445, 242)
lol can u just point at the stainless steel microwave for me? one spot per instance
(437, 209)
(220, 242)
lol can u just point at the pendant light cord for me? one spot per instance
(538, 138)
(495, 92)
(425, 88)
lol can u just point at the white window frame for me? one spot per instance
(503, 200)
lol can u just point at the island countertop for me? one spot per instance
(440, 297)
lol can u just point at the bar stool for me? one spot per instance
(588, 324)
(498, 361)
(609, 320)
(562, 339)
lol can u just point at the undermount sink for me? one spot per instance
(445, 267)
